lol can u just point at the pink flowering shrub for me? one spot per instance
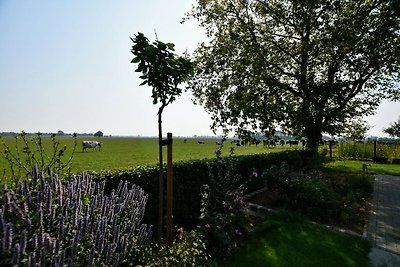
(221, 219)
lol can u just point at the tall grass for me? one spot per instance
(359, 150)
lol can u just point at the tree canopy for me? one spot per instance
(308, 67)
(161, 69)
(98, 134)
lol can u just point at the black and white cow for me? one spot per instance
(91, 144)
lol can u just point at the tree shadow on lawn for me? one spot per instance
(287, 240)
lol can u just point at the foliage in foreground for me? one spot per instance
(287, 240)
(49, 223)
(185, 250)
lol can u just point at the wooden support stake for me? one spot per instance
(169, 188)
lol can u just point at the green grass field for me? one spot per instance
(129, 152)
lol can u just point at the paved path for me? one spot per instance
(384, 223)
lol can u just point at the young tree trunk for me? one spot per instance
(160, 177)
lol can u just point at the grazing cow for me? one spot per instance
(200, 142)
(269, 143)
(184, 141)
(292, 142)
(90, 144)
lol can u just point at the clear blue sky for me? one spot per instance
(65, 65)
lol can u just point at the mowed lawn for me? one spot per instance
(286, 240)
(130, 152)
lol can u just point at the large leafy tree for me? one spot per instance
(307, 66)
(164, 71)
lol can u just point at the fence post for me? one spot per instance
(374, 150)
(330, 149)
(169, 188)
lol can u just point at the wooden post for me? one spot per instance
(375, 151)
(330, 148)
(169, 188)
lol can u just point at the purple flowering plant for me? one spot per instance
(45, 222)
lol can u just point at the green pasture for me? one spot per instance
(129, 152)
(120, 153)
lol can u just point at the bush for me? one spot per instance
(221, 219)
(47, 223)
(305, 193)
(190, 176)
(311, 197)
(187, 250)
(275, 175)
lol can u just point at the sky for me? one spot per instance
(65, 65)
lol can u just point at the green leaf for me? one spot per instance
(170, 46)
(135, 60)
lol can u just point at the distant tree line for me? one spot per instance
(59, 133)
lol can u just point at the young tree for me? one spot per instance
(393, 129)
(308, 66)
(163, 71)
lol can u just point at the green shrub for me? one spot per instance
(221, 219)
(304, 192)
(311, 197)
(317, 197)
(187, 251)
(273, 176)
(190, 176)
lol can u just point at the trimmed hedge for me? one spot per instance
(189, 176)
